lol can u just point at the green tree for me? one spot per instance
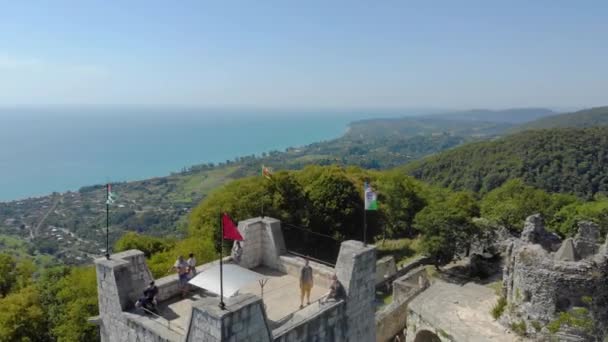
(145, 243)
(69, 297)
(510, 204)
(447, 226)
(336, 204)
(567, 218)
(8, 276)
(22, 317)
(400, 200)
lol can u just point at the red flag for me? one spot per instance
(230, 230)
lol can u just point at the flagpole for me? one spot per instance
(222, 305)
(364, 224)
(108, 221)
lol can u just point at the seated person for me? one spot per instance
(148, 301)
(336, 290)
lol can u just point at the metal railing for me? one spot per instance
(303, 242)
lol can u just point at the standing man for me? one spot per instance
(191, 265)
(305, 283)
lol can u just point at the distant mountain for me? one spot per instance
(568, 160)
(585, 118)
(512, 116)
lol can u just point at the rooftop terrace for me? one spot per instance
(281, 300)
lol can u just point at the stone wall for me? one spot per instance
(263, 242)
(120, 281)
(391, 320)
(356, 270)
(385, 269)
(325, 325)
(243, 319)
(404, 269)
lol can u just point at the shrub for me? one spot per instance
(499, 307)
(519, 328)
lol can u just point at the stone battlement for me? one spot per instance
(122, 278)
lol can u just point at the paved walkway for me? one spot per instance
(281, 293)
(462, 311)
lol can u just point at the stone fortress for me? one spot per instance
(542, 277)
(247, 317)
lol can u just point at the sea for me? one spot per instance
(43, 150)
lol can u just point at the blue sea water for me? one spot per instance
(60, 149)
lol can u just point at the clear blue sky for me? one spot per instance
(443, 54)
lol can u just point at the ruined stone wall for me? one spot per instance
(540, 281)
(417, 326)
(392, 319)
(326, 325)
(243, 320)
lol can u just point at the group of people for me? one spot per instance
(186, 270)
(336, 290)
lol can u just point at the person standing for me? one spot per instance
(237, 251)
(181, 266)
(306, 283)
(191, 265)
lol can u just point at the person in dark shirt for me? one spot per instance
(150, 292)
(336, 290)
(148, 301)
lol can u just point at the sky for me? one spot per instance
(347, 54)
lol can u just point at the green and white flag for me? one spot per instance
(371, 198)
(111, 196)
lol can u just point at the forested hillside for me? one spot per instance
(563, 160)
(513, 116)
(585, 118)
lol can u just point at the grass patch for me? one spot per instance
(578, 318)
(519, 328)
(499, 308)
(432, 271)
(496, 286)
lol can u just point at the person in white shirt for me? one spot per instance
(191, 265)
(181, 266)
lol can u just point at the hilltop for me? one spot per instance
(597, 116)
(569, 160)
